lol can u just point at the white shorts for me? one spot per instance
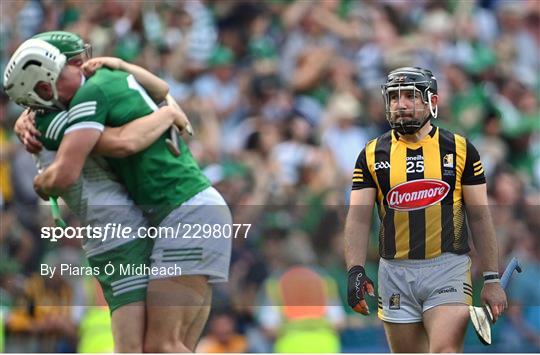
(201, 247)
(408, 288)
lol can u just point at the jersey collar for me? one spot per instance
(430, 135)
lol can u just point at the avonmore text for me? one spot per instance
(117, 231)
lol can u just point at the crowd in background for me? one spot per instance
(283, 95)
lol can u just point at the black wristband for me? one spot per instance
(357, 268)
(491, 277)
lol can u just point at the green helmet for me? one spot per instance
(69, 44)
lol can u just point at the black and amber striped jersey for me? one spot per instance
(419, 191)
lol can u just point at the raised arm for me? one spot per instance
(156, 87)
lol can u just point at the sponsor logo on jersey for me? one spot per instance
(382, 165)
(417, 194)
(395, 301)
(415, 158)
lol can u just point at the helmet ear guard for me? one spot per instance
(415, 79)
(433, 111)
(34, 61)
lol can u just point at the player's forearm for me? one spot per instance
(357, 228)
(156, 87)
(135, 136)
(483, 236)
(54, 180)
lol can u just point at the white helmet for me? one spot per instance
(35, 60)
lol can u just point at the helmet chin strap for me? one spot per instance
(411, 127)
(58, 104)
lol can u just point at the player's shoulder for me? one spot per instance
(450, 135)
(44, 115)
(447, 134)
(44, 118)
(383, 137)
(92, 90)
(104, 74)
(87, 90)
(102, 79)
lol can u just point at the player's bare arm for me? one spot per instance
(69, 161)
(116, 142)
(121, 141)
(137, 135)
(156, 87)
(485, 242)
(357, 228)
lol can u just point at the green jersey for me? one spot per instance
(157, 181)
(97, 197)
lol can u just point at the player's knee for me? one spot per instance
(444, 348)
(157, 345)
(128, 346)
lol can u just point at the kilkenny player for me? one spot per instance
(423, 180)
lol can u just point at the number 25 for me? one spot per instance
(415, 167)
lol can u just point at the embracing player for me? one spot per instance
(169, 189)
(97, 197)
(421, 178)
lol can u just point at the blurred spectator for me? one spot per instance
(41, 317)
(468, 103)
(95, 332)
(220, 87)
(523, 330)
(490, 145)
(221, 337)
(302, 311)
(7, 150)
(342, 137)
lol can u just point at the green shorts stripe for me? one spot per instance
(118, 285)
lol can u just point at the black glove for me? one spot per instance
(359, 284)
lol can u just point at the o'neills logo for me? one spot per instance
(417, 194)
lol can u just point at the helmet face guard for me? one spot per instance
(422, 83)
(84, 54)
(33, 62)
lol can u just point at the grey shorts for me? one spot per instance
(203, 243)
(408, 288)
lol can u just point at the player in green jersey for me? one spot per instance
(97, 198)
(168, 189)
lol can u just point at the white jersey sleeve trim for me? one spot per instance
(83, 125)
